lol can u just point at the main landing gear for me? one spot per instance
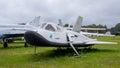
(5, 43)
(72, 46)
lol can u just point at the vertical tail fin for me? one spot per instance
(35, 22)
(60, 23)
(77, 26)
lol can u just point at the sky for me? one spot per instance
(105, 12)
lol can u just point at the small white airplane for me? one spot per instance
(52, 35)
(10, 31)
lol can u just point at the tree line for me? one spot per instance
(114, 30)
(90, 26)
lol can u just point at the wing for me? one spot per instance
(81, 39)
(100, 42)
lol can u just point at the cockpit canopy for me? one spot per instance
(51, 27)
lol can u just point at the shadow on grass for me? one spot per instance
(89, 50)
(13, 47)
(51, 54)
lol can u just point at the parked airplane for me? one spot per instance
(10, 31)
(52, 35)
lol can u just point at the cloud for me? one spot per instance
(106, 12)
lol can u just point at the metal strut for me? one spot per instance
(70, 43)
(74, 49)
(25, 44)
(5, 44)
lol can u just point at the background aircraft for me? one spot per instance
(77, 27)
(53, 35)
(10, 31)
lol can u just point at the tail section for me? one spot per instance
(77, 26)
(35, 22)
(60, 23)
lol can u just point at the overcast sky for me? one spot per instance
(105, 12)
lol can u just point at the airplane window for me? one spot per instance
(49, 27)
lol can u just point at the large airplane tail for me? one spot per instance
(77, 26)
(35, 22)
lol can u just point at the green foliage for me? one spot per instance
(118, 26)
(66, 25)
(95, 26)
(71, 26)
(116, 30)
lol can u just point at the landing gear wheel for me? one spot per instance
(25, 45)
(5, 44)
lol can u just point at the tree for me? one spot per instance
(66, 25)
(117, 27)
(71, 26)
(115, 30)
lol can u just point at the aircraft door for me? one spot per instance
(60, 37)
(56, 34)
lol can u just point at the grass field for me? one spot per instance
(100, 56)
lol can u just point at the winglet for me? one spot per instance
(35, 22)
(60, 23)
(77, 26)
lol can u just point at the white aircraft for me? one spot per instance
(52, 35)
(10, 31)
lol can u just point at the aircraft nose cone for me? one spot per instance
(31, 37)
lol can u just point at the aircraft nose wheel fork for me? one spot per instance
(72, 46)
(77, 54)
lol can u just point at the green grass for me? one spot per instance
(100, 56)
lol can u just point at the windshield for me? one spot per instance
(49, 27)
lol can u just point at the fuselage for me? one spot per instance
(54, 35)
